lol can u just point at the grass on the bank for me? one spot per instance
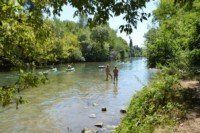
(163, 102)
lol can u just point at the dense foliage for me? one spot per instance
(26, 36)
(101, 43)
(56, 42)
(177, 37)
(98, 11)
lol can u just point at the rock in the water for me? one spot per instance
(99, 124)
(92, 116)
(94, 104)
(123, 111)
(86, 130)
(103, 109)
(111, 127)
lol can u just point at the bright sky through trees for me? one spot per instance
(137, 35)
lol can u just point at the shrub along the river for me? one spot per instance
(163, 102)
(177, 37)
(11, 94)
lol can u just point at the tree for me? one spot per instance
(177, 37)
(98, 12)
(82, 21)
(100, 35)
(131, 47)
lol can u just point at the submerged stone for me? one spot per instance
(123, 111)
(92, 116)
(94, 104)
(111, 127)
(104, 109)
(86, 130)
(100, 124)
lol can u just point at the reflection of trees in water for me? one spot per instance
(80, 66)
(131, 63)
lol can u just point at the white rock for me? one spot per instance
(94, 104)
(86, 130)
(92, 116)
(111, 127)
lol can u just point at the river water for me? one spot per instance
(65, 103)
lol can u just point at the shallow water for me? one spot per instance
(65, 103)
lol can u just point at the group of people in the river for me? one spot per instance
(108, 73)
(107, 70)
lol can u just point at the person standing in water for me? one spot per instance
(115, 71)
(69, 66)
(108, 72)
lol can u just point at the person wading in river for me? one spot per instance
(115, 71)
(108, 72)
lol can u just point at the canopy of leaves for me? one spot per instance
(98, 11)
(177, 37)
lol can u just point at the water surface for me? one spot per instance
(64, 104)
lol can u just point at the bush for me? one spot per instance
(178, 33)
(160, 103)
(194, 58)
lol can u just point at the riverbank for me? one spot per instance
(192, 118)
(166, 102)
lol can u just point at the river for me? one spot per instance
(65, 103)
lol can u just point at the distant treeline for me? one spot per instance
(135, 51)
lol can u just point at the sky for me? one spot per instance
(138, 34)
